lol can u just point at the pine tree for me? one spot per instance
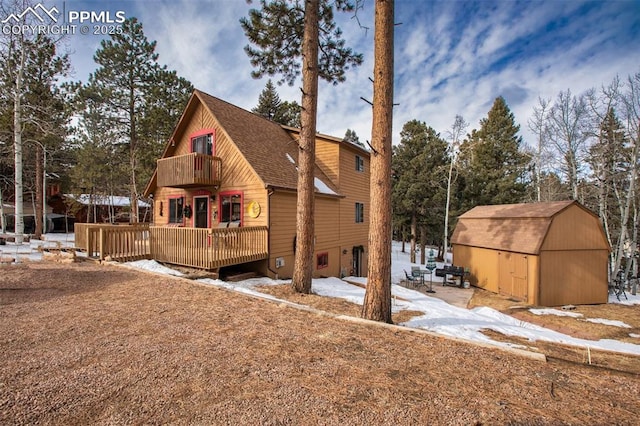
(609, 161)
(46, 115)
(31, 120)
(281, 33)
(420, 163)
(140, 100)
(377, 298)
(268, 102)
(493, 166)
(126, 65)
(351, 137)
(272, 108)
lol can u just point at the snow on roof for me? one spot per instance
(104, 200)
(322, 187)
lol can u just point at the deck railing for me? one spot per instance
(193, 169)
(208, 248)
(117, 242)
(205, 248)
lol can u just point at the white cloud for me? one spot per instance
(450, 57)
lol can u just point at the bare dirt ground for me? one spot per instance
(97, 344)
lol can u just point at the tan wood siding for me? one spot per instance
(576, 277)
(355, 186)
(513, 274)
(482, 264)
(328, 158)
(282, 230)
(237, 175)
(574, 229)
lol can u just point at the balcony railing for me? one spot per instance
(189, 170)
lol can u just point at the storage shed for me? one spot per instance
(546, 254)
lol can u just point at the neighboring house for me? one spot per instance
(546, 254)
(225, 167)
(104, 208)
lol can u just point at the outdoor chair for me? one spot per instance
(411, 280)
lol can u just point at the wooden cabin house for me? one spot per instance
(546, 254)
(225, 194)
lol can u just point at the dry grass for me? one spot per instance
(576, 327)
(90, 344)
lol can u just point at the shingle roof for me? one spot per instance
(512, 211)
(517, 228)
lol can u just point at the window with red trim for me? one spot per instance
(322, 260)
(203, 142)
(230, 207)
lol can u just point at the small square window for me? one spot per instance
(322, 261)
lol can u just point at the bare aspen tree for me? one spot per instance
(538, 125)
(457, 130)
(568, 133)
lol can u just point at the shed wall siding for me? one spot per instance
(573, 229)
(573, 277)
(482, 264)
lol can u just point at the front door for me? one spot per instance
(201, 213)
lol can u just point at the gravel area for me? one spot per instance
(83, 343)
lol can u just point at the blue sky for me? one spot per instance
(451, 57)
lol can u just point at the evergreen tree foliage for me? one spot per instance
(420, 166)
(140, 100)
(272, 108)
(276, 30)
(351, 137)
(29, 73)
(492, 164)
(609, 160)
(268, 102)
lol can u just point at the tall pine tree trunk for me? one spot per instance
(305, 227)
(377, 300)
(133, 147)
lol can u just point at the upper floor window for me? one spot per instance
(359, 164)
(202, 144)
(359, 213)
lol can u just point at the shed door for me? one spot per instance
(512, 275)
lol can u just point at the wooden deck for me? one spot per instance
(204, 248)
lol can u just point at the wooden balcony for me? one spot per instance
(205, 248)
(195, 169)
